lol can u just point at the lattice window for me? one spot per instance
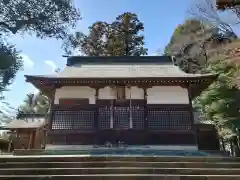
(157, 119)
(121, 118)
(180, 120)
(138, 117)
(169, 119)
(60, 120)
(104, 117)
(82, 119)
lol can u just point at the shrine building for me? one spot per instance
(144, 100)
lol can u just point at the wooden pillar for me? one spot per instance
(30, 141)
(112, 114)
(96, 111)
(192, 114)
(10, 141)
(51, 106)
(34, 138)
(17, 144)
(130, 106)
(44, 137)
(145, 109)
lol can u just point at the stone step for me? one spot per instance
(123, 177)
(80, 158)
(119, 170)
(119, 164)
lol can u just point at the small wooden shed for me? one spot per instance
(26, 135)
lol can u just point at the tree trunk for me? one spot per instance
(231, 147)
(236, 146)
(223, 144)
(238, 136)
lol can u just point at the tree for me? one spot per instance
(119, 38)
(206, 11)
(34, 104)
(189, 43)
(7, 113)
(93, 44)
(232, 5)
(46, 18)
(221, 101)
(125, 35)
(11, 62)
(193, 43)
(198, 47)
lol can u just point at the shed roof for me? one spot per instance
(21, 124)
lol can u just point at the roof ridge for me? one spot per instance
(118, 59)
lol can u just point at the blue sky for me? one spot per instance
(160, 18)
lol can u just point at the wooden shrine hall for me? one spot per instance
(143, 100)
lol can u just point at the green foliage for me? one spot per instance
(11, 62)
(35, 104)
(45, 18)
(93, 44)
(126, 30)
(7, 113)
(221, 101)
(119, 38)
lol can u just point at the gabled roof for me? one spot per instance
(121, 71)
(120, 67)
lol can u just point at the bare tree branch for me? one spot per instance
(206, 11)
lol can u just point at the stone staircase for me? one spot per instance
(124, 168)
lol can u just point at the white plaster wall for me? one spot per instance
(106, 93)
(167, 95)
(155, 95)
(75, 92)
(134, 93)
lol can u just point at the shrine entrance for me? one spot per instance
(119, 117)
(121, 114)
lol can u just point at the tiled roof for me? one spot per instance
(21, 124)
(122, 71)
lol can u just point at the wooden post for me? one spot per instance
(145, 109)
(130, 106)
(112, 114)
(10, 142)
(96, 110)
(30, 140)
(44, 138)
(17, 139)
(192, 115)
